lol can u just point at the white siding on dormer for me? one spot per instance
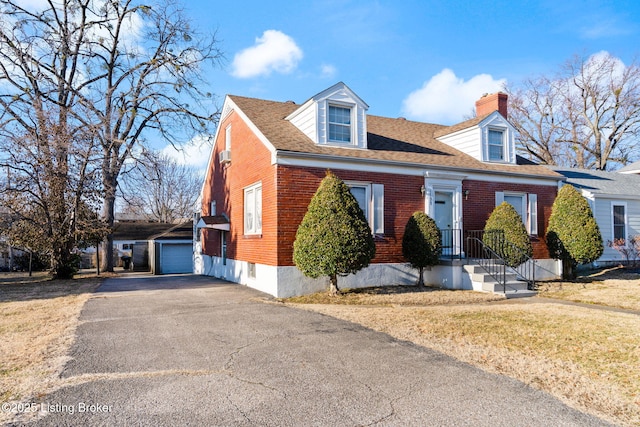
(467, 141)
(305, 120)
(312, 117)
(474, 140)
(498, 122)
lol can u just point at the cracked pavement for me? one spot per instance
(192, 350)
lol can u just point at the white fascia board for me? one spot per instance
(495, 117)
(347, 163)
(254, 129)
(336, 88)
(325, 161)
(299, 110)
(620, 197)
(228, 107)
(226, 110)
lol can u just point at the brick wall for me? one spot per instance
(297, 185)
(250, 163)
(482, 200)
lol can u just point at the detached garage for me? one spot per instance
(172, 251)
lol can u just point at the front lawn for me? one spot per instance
(38, 321)
(584, 355)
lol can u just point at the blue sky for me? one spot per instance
(423, 60)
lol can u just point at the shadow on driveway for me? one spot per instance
(130, 282)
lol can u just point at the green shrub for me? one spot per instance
(505, 233)
(573, 235)
(421, 243)
(334, 237)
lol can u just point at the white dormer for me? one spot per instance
(490, 137)
(335, 117)
(498, 144)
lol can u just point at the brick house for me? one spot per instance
(269, 157)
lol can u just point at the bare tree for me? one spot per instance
(48, 189)
(118, 67)
(588, 116)
(159, 188)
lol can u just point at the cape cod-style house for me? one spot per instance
(269, 157)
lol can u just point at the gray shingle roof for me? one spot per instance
(600, 182)
(631, 168)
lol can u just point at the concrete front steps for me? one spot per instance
(482, 281)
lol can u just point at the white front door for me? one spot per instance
(444, 217)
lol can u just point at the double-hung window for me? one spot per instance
(619, 221)
(339, 124)
(253, 209)
(495, 141)
(370, 198)
(526, 205)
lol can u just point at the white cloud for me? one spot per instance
(194, 153)
(446, 98)
(328, 71)
(274, 51)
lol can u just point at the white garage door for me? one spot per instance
(176, 258)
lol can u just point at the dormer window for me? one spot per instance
(496, 145)
(334, 117)
(339, 124)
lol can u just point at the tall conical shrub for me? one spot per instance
(421, 243)
(573, 235)
(334, 238)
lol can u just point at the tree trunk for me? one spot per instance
(568, 269)
(109, 217)
(333, 286)
(420, 277)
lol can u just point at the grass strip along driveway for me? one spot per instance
(38, 321)
(586, 354)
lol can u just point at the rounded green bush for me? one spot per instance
(505, 233)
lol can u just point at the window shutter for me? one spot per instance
(533, 214)
(499, 197)
(378, 208)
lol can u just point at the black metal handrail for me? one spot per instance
(488, 260)
(451, 239)
(526, 270)
(477, 240)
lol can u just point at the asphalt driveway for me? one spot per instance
(190, 350)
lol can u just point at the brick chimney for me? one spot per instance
(492, 102)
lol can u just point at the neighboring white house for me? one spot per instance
(615, 201)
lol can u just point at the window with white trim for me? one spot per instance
(370, 198)
(619, 220)
(495, 142)
(339, 124)
(525, 204)
(253, 209)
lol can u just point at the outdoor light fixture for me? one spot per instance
(423, 190)
(466, 194)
